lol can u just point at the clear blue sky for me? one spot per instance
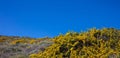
(40, 18)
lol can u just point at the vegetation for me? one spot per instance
(94, 43)
(21, 47)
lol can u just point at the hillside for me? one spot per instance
(21, 47)
(94, 43)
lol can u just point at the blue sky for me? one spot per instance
(40, 18)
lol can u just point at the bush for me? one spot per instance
(104, 43)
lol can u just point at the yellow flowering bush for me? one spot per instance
(104, 43)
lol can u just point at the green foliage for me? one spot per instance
(104, 43)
